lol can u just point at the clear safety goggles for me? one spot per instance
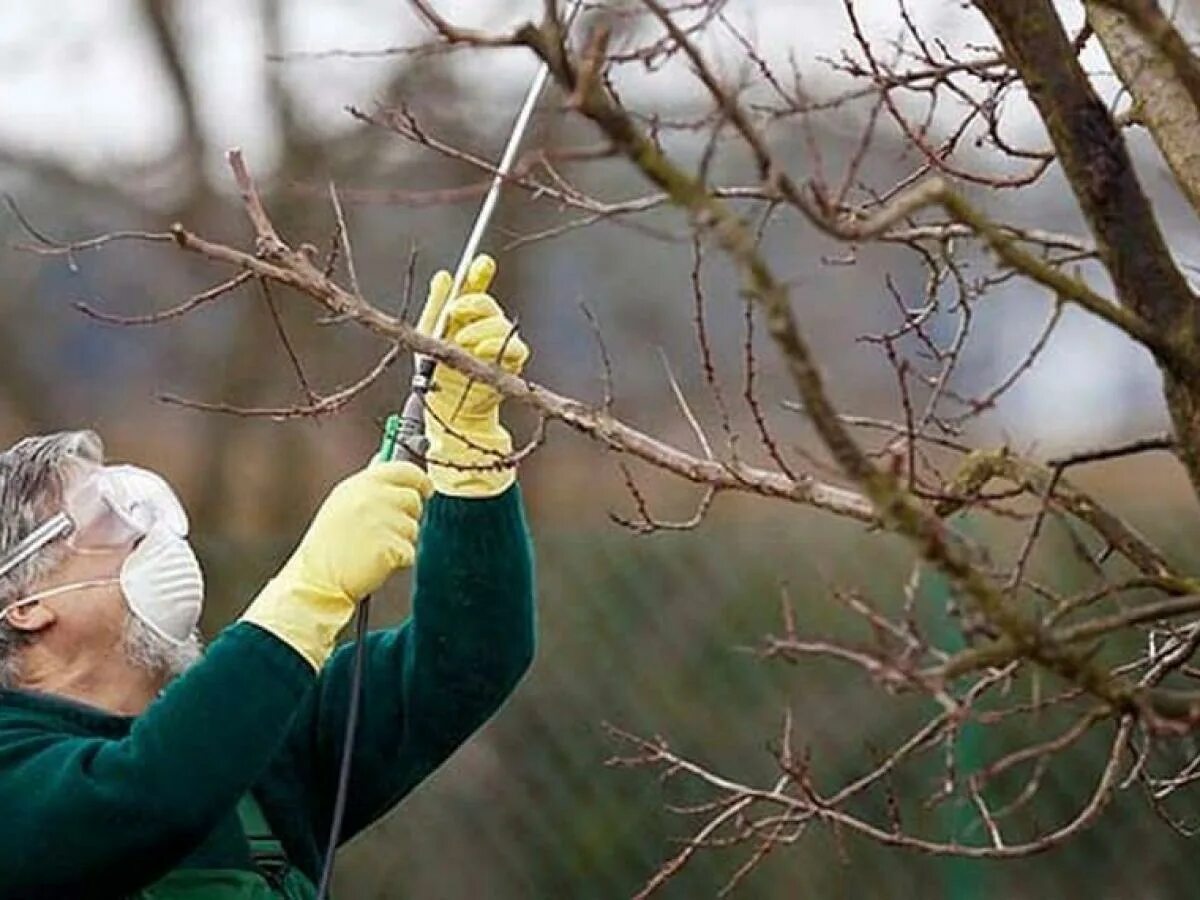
(106, 507)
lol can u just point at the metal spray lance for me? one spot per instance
(406, 431)
(404, 434)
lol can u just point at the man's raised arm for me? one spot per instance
(93, 799)
(431, 682)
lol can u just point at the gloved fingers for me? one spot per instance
(400, 553)
(400, 502)
(397, 545)
(490, 328)
(485, 337)
(453, 412)
(479, 278)
(392, 526)
(467, 309)
(510, 356)
(439, 293)
(404, 528)
(479, 275)
(400, 473)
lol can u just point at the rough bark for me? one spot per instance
(1097, 165)
(1162, 100)
(1155, 26)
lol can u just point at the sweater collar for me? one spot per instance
(50, 709)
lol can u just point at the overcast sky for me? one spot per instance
(79, 81)
(78, 78)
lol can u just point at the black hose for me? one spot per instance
(410, 441)
(361, 619)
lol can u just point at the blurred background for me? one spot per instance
(114, 114)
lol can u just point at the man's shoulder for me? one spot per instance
(28, 712)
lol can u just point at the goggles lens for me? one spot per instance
(107, 507)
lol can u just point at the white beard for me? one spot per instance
(148, 651)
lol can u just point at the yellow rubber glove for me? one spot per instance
(465, 433)
(364, 531)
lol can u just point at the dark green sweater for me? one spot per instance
(94, 805)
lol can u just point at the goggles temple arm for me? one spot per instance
(57, 526)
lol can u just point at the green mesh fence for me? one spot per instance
(655, 635)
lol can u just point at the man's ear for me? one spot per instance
(30, 617)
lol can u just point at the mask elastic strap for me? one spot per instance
(60, 589)
(100, 551)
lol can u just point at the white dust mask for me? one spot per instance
(161, 581)
(113, 506)
(163, 584)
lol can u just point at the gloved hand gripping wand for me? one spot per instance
(404, 435)
(406, 431)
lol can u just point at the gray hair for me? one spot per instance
(34, 474)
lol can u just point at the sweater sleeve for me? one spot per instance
(124, 810)
(435, 679)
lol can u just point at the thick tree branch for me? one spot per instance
(1107, 631)
(1094, 157)
(1096, 161)
(1154, 26)
(1163, 99)
(276, 261)
(981, 467)
(897, 509)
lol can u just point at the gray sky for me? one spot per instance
(79, 82)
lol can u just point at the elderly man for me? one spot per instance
(133, 765)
